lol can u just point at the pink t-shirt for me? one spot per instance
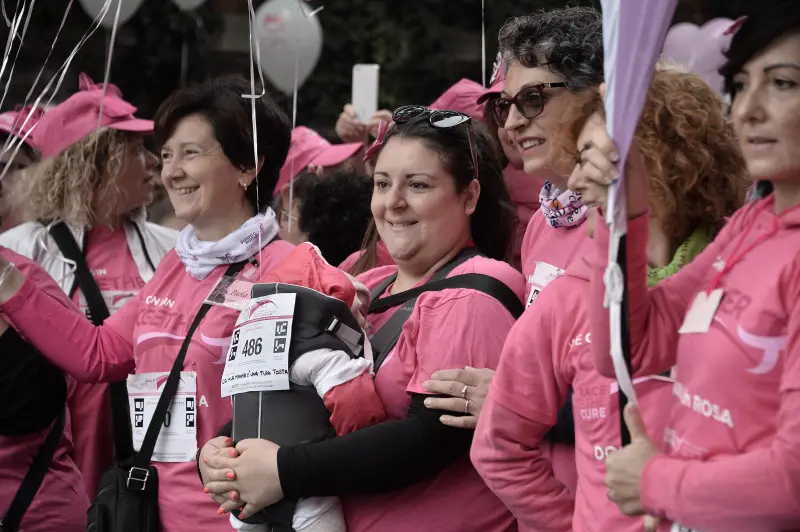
(61, 501)
(546, 253)
(447, 329)
(547, 353)
(146, 334)
(117, 276)
(733, 434)
(524, 190)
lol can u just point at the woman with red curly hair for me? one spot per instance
(696, 178)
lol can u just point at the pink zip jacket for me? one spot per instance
(548, 352)
(733, 437)
(146, 335)
(60, 502)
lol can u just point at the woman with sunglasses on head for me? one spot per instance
(440, 205)
(729, 322)
(697, 179)
(206, 134)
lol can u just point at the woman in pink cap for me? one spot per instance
(729, 322)
(97, 183)
(697, 179)
(217, 185)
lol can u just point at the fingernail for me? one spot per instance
(427, 402)
(232, 452)
(228, 440)
(206, 490)
(220, 510)
(234, 496)
(205, 460)
(425, 385)
(615, 157)
(230, 476)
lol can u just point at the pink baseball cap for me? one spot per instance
(77, 117)
(461, 97)
(498, 80)
(309, 147)
(14, 123)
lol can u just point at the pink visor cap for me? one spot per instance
(21, 122)
(498, 80)
(461, 97)
(309, 148)
(77, 117)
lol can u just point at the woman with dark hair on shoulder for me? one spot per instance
(437, 211)
(729, 322)
(697, 179)
(206, 136)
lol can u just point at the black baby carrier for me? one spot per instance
(296, 415)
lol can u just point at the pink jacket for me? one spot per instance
(524, 190)
(733, 458)
(61, 501)
(548, 352)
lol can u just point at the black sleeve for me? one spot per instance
(376, 459)
(32, 390)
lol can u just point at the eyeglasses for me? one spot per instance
(441, 120)
(529, 102)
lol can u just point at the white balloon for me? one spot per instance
(94, 7)
(188, 5)
(285, 34)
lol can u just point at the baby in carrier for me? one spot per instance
(330, 374)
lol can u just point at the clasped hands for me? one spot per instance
(242, 476)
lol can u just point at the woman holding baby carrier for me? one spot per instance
(441, 207)
(206, 135)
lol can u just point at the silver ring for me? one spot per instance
(464, 392)
(466, 406)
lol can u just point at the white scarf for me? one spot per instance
(200, 258)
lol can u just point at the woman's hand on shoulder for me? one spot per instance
(468, 389)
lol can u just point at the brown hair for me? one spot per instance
(67, 186)
(697, 172)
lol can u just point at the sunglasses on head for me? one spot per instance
(441, 120)
(529, 102)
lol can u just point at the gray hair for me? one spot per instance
(568, 41)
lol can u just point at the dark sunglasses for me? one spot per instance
(442, 120)
(529, 102)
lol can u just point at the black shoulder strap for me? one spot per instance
(34, 477)
(142, 460)
(118, 392)
(384, 340)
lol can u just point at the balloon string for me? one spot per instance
(8, 48)
(254, 45)
(106, 77)
(483, 43)
(295, 90)
(60, 73)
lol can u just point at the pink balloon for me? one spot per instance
(699, 49)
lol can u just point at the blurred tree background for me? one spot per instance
(423, 47)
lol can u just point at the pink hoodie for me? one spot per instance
(548, 352)
(733, 437)
(145, 335)
(61, 501)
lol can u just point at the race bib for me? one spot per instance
(114, 300)
(680, 528)
(258, 358)
(177, 441)
(543, 274)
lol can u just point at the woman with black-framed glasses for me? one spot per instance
(440, 206)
